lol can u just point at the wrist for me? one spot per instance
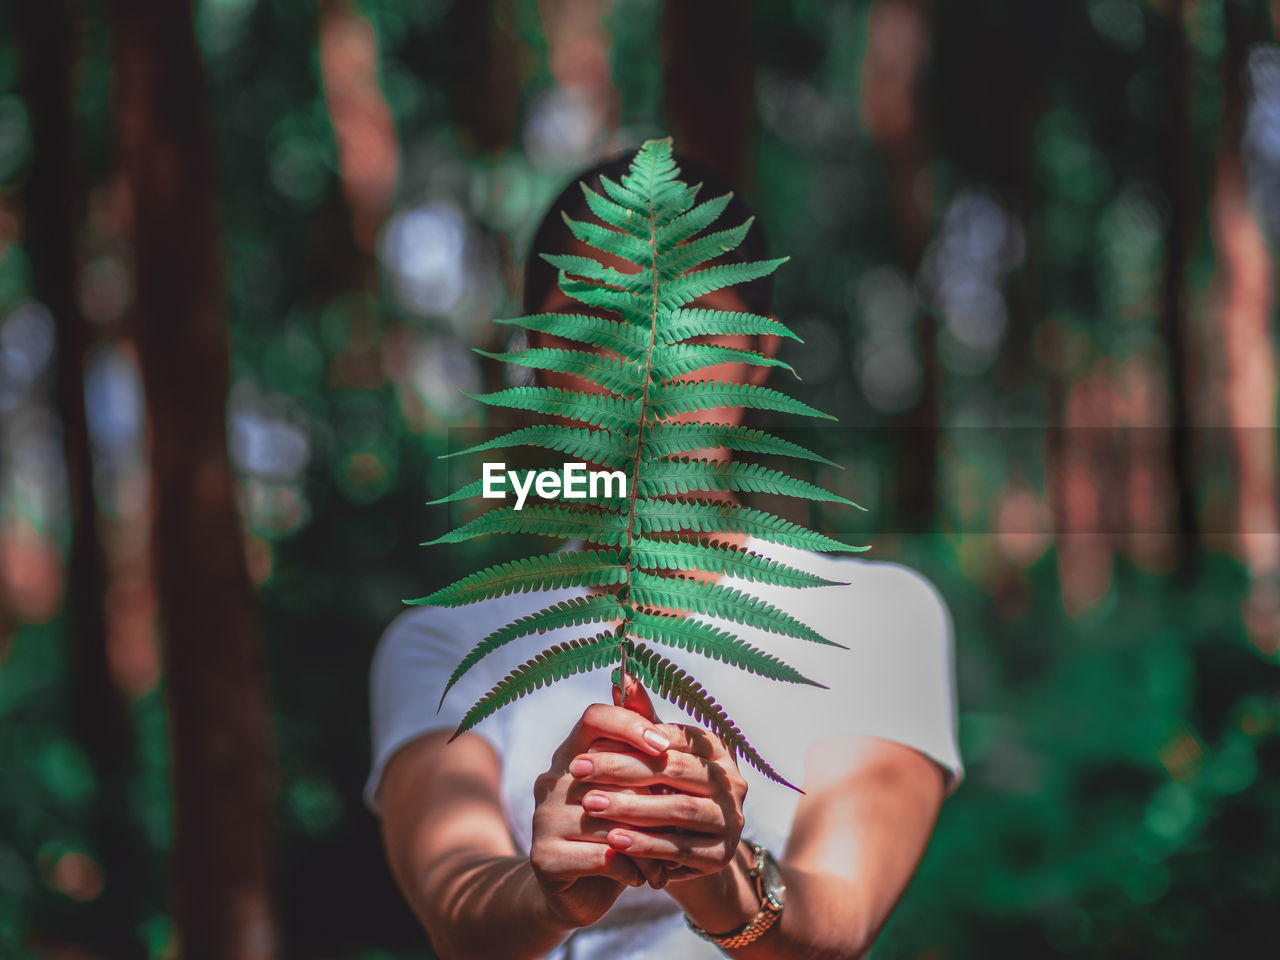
(721, 901)
(548, 909)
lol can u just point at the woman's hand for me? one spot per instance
(580, 873)
(680, 808)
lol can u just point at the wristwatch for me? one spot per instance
(773, 894)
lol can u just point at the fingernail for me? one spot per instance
(656, 740)
(580, 767)
(620, 840)
(596, 802)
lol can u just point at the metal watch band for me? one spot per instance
(752, 932)
(757, 926)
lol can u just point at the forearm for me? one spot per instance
(825, 918)
(477, 905)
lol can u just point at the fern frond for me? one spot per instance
(634, 201)
(668, 439)
(668, 681)
(668, 399)
(703, 638)
(627, 340)
(617, 215)
(566, 613)
(549, 520)
(553, 571)
(632, 307)
(605, 240)
(639, 340)
(698, 596)
(599, 410)
(715, 557)
(597, 446)
(620, 377)
(674, 360)
(562, 660)
(474, 489)
(697, 252)
(635, 283)
(706, 516)
(684, 475)
(690, 286)
(668, 238)
(677, 325)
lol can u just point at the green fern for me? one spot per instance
(645, 544)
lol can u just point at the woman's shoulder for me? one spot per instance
(882, 582)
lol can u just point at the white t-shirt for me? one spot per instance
(895, 682)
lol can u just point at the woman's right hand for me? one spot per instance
(580, 874)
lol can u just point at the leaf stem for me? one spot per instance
(635, 462)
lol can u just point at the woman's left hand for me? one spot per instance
(691, 817)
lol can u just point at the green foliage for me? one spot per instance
(654, 225)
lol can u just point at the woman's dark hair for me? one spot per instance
(553, 235)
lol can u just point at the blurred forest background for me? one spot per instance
(245, 247)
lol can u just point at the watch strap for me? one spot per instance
(761, 922)
(752, 932)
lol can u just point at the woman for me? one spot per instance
(558, 831)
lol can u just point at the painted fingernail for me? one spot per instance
(596, 802)
(620, 840)
(580, 767)
(656, 740)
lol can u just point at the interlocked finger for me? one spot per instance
(702, 854)
(681, 811)
(674, 769)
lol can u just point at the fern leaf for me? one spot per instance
(627, 340)
(610, 373)
(675, 686)
(637, 345)
(634, 201)
(668, 399)
(669, 237)
(605, 240)
(708, 516)
(685, 475)
(653, 176)
(599, 410)
(548, 520)
(697, 596)
(566, 613)
(677, 325)
(597, 446)
(674, 360)
(632, 307)
(472, 489)
(703, 638)
(697, 252)
(689, 287)
(635, 283)
(668, 439)
(562, 660)
(576, 568)
(724, 558)
(617, 215)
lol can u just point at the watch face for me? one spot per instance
(775, 887)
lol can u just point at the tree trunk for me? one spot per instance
(1173, 307)
(219, 723)
(486, 76)
(1246, 301)
(53, 198)
(894, 114)
(708, 77)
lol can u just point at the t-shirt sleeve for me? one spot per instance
(413, 661)
(899, 683)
